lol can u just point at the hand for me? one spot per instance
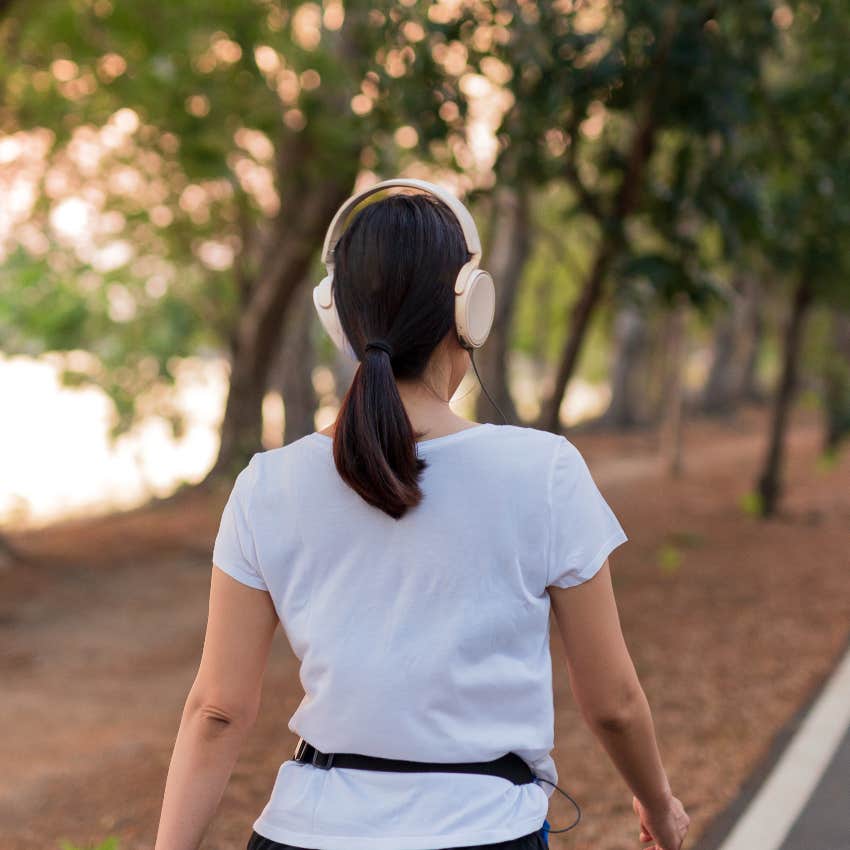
(667, 828)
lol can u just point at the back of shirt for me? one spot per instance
(424, 638)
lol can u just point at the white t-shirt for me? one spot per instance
(424, 638)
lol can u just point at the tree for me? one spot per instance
(735, 346)
(215, 141)
(510, 239)
(620, 102)
(807, 196)
(835, 371)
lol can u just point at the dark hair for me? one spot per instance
(394, 272)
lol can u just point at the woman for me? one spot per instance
(412, 558)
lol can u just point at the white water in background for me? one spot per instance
(56, 460)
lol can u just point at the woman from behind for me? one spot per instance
(413, 559)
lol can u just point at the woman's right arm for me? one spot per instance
(612, 702)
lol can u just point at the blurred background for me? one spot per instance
(663, 193)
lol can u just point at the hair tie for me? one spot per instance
(381, 344)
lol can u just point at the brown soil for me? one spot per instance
(101, 635)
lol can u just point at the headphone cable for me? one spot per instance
(481, 384)
(578, 816)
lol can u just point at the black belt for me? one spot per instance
(509, 766)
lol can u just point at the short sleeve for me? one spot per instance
(583, 529)
(234, 550)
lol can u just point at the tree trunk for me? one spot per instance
(629, 390)
(717, 395)
(750, 390)
(580, 317)
(296, 361)
(732, 373)
(611, 242)
(314, 175)
(671, 426)
(769, 484)
(836, 385)
(296, 233)
(510, 238)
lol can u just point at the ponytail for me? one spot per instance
(395, 268)
(374, 445)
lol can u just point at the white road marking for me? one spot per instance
(772, 812)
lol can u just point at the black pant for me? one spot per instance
(532, 841)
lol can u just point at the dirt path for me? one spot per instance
(98, 650)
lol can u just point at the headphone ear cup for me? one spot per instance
(475, 306)
(323, 301)
(323, 292)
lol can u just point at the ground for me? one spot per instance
(732, 622)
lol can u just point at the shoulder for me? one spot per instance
(548, 456)
(269, 469)
(532, 440)
(528, 435)
(529, 450)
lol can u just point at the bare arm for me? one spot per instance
(606, 687)
(219, 711)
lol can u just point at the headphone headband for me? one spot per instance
(467, 224)
(475, 296)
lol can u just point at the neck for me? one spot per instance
(428, 409)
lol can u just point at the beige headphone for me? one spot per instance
(475, 295)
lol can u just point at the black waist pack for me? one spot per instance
(509, 766)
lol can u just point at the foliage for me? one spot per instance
(803, 150)
(635, 111)
(669, 557)
(159, 139)
(110, 843)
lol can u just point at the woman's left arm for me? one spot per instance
(220, 710)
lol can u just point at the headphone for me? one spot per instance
(475, 295)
